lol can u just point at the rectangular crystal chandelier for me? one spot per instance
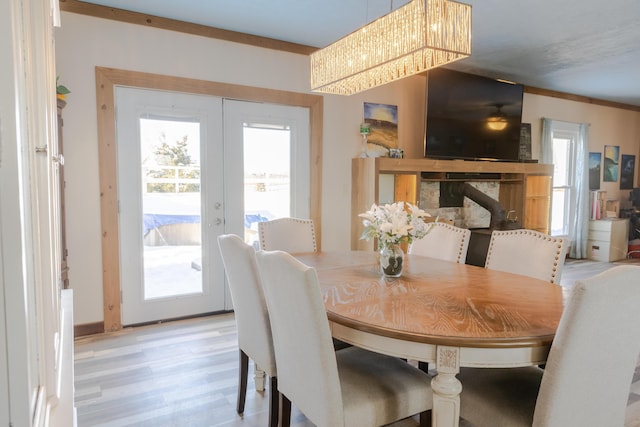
(416, 37)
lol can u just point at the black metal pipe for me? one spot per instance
(498, 213)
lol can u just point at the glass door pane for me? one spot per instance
(171, 207)
(267, 177)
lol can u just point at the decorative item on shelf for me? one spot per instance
(524, 151)
(416, 37)
(392, 224)
(61, 90)
(396, 153)
(365, 130)
(612, 208)
(597, 203)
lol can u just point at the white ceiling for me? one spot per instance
(582, 47)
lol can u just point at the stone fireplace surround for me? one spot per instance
(469, 215)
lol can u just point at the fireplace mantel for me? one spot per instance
(525, 188)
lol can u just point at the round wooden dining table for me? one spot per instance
(448, 314)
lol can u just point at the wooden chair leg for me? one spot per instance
(273, 402)
(425, 419)
(285, 411)
(242, 381)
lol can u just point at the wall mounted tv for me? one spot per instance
(459, 108)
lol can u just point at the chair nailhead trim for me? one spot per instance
(539, 235)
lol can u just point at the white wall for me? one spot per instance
(83, 42)
(30, 345)
(608, 126)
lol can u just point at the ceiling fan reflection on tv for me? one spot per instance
(497, 120)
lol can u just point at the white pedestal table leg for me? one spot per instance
(446, 388)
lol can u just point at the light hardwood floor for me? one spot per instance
(184, 374)
(178, 374)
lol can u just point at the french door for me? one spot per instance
(191, 167)
(170, 204)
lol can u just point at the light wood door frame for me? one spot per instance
(106, 80)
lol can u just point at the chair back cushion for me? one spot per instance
(443, 241)
(594, 353)
(307, 367)
(527, 252)
(293, 235)
(249, 304)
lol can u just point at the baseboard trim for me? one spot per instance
(88, 329)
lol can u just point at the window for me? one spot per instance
(564, 185)
(565, 145)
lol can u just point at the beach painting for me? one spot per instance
(611, 163)
(383, 120)
(595, 161)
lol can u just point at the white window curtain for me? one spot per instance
(579, 223)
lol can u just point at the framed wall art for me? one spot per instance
(610, 163)
(627, 169)
(595, 162)
(524, 153)
(383, 122)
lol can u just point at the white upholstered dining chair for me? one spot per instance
(443, 241)
(252, 319)
(350, 387)
(287, 234)
(600, 326)
(527, 252)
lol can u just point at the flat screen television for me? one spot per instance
(460, 107)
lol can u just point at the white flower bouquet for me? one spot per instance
(394, 223)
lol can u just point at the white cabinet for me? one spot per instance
(608, 239)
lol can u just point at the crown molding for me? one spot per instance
(121, 15)
(579, 98)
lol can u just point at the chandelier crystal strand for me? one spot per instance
(421, 35)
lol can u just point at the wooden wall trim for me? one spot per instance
(106, 80)
(108, 201)
(88, 329)
(579, 98)
(121, 15)
(99, 11)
